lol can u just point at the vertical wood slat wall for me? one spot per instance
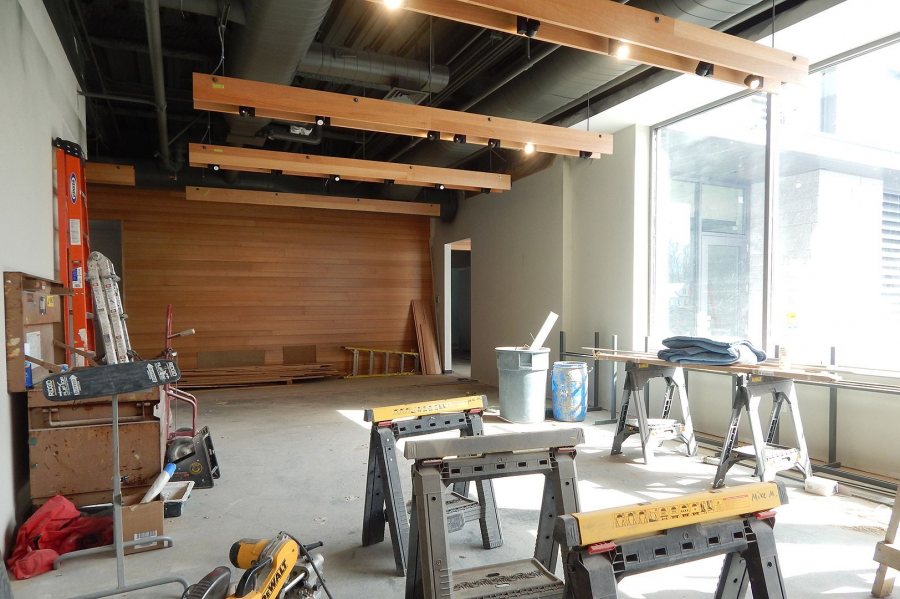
(265, 277)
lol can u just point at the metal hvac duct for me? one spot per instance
(269, 48)
(330, 63)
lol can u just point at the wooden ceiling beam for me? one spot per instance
(653, 39)
(294, 104)
(109, 174)
(304, 200)
(308, 165)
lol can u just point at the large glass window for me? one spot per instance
(709, 222)
(835, 245)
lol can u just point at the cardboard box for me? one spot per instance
(141, 520)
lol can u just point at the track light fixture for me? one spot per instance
(247, 111)
(584, 154)
(439, 186)
(433, 135)
(705, 69)
(459, 138)
(753, 81)
(527, 27)
(529, 148)
(493, 143)
(214, 167)
(619, 49)
(322, 120)
(335, 178)
(655, 39)
(393, 4)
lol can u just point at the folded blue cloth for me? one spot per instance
(700, 350)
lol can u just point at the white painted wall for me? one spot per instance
(39, 102)
(517, 253)
(608, 235)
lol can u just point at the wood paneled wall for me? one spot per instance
(265, 277)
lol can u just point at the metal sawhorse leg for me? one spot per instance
(770, 457)
(551, 453)
(384, 501)
(653, 431)
(676, 531)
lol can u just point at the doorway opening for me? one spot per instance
(460, 300)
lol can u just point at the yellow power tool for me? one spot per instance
(278, 568)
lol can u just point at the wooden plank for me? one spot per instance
(308, 165)
(109, 174)
(768, 368)
(298, 354)
(226, 94)
(58, 457)
(305, 200)
(775, 66)
(428, 351)
(236, 357)
(464, 245)
(887, 554)
(236, 376)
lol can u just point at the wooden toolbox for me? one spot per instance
(70, 446)
(34, 325)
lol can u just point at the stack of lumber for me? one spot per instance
(423, 319)
(240, 376)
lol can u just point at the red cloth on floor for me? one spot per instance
(56, 527)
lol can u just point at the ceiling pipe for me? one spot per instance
(269, 48)
(373, 69)
(154, 41)
(210, 8)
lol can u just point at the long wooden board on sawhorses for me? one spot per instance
(753, 381)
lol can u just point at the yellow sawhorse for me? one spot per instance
(384, 503)
(607, 545)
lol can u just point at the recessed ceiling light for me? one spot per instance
(529, 148)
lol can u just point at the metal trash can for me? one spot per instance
(523, 383)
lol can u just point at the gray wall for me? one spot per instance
(39, 102)
(517, 250)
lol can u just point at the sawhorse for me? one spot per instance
(608, 545)
(479, 459)
(887, 554)
(654, 431)
(384, 494)
(770, 457)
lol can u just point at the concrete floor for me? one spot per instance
(294, 458)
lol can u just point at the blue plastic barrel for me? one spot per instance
(569, 384)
